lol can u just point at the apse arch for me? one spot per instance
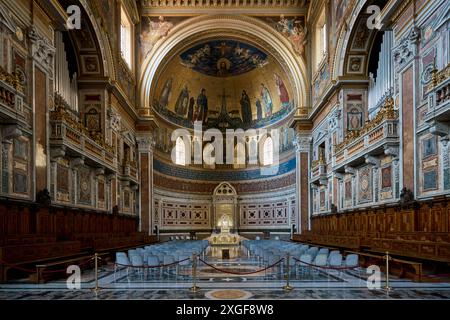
(344, 39)
(103, 43)
(204, 27)
(345, 52)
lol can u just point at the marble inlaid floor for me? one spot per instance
(322, 284)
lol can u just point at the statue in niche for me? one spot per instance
(202, 103)
(152, 33)
(293, 30)
(267, 100)
(43, 198)
(258, 109)
(282, 91)
(246, 108)
(182, 102)
(406, 196)
(165, 94)
(298, 39)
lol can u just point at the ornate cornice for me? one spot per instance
(179, 7)
(6, 21)
(401, 9)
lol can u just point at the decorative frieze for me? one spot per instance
(114, 120)
(42, 50)
(405, 51)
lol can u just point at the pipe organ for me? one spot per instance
(65, 83)
(382, 85)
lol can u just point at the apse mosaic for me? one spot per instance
(224, 84)
(223, 58)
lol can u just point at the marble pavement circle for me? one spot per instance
(228, 294)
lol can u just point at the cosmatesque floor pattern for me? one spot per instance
(242, 279)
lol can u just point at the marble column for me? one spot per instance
(302, 143)
(146, 145)
(445, 162)
(375, 162)
(109, 191)
(42, 53)
(6, 147)
(97, 172)
(237, 214)
(56, 154)
(75, 163)
(407, 67)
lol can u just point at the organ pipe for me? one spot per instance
(65, 83)
(382, 86)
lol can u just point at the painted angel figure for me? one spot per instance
(156, 30)
(298, 38)
(162, 27)
(238, 50)
(284, 25)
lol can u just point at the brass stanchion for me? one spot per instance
(194, 287)
(39, 272)
(387, 287)
(287, 287)
(97, 288)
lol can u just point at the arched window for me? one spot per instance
(126, 39)
(239, 156)
(320, 35)
(180, 152)
(268, 152)
(209, 156)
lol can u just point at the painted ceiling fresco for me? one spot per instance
(223, 58)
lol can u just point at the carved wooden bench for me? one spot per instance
(31, 254)
(378, 255)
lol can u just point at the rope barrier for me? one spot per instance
(241, 273)
(64, 270)
(150, 267)
(17, 267)
(326, 267)
(442, 275)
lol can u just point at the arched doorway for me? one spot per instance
(225, 208)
